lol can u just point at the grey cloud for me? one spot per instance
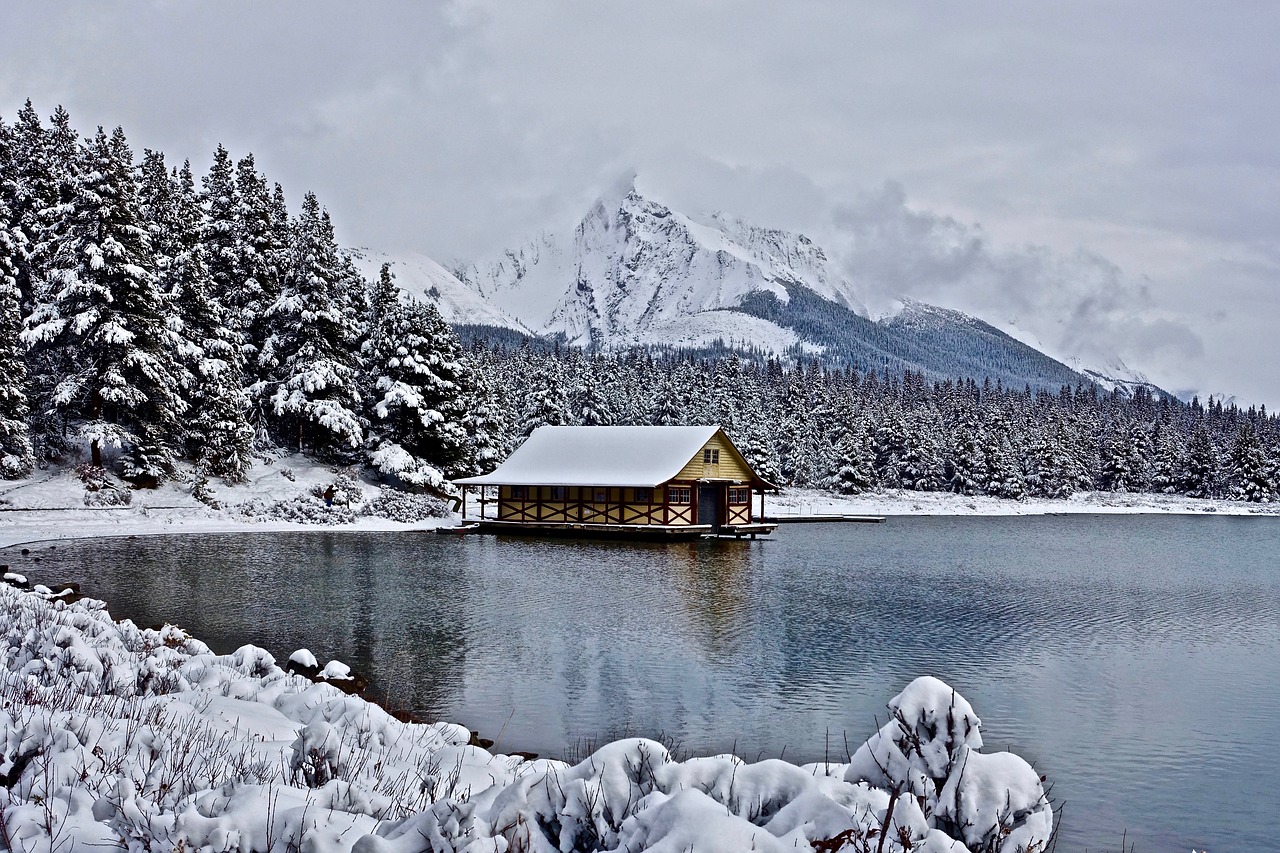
(1078, 304)
(1139, 130)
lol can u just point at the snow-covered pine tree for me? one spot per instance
(1053, 470)
(1125, 463)
(966, 463)
(889, 444)
(488, 442)
(419, 404)
(593, 406)
(216, 434)
(1168, 460)
(108, 318)
(921, 468)
(260, 248)
(29, 189)
(546, 405)
(221, 239)
(310, 367)
(1199, 477)
(1249, 478)
(667, 410)
(17, 457)
(855, 473)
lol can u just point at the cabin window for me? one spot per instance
(602, 496)
(739, 496)
(558, 493)
(710, 456)
(519, 493)
(644, 496)
(679, 495)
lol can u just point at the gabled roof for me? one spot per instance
(625, 456)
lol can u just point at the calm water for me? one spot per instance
(1134, 660)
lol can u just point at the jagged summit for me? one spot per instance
(634, 271)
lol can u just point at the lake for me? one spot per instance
(1134, 660)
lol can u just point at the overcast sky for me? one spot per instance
(1106, 174)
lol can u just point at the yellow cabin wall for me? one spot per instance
(731, 467)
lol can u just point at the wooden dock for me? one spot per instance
(635, 532)
(825, 519)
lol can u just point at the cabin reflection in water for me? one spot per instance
(665, 482)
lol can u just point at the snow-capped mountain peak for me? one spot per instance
(636, 271)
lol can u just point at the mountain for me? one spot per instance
(422, 278)
(636, 272)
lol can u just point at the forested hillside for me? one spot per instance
(171, 326)
(849, 431)
(152, 314)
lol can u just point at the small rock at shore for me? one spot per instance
(303, 662)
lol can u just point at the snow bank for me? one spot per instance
(145, 739)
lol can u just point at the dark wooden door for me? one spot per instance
(710, 505)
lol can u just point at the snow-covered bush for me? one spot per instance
(98, 488)
(116, 736)
(342, 491)
(404, 507)
(335, 502)
(300, 509)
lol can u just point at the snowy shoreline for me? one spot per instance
(50, 507)
(145, 739)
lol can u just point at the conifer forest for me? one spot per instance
(172, 324)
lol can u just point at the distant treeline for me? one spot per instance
(851, 431)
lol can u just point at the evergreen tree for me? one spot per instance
(217, 434)
(855, 473)
(488, 439)
(418, 417)
(1199, 476)
(309, 359)
(966, 462)
(1250, 475)
(547, 405)
(890, 446)
(109, 319)
(1004, 475)
(1125, 466)
(1167, 463)
(920, 467)
(668, 411)
(17, 456)
(1054, 471)
(260, 248)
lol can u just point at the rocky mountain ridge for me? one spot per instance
(635, 272)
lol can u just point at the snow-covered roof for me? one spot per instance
(625, 456)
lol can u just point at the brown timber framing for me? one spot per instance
(620, 505)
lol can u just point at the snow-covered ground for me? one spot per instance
(137, 739)
(902, 502)
(50, 505)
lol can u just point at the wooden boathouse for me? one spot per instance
(662, 482)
